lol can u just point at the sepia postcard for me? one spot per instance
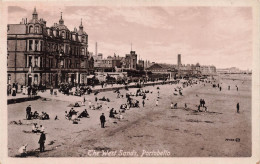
(130, 81)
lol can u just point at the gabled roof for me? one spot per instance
(157, 66)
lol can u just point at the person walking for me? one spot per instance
(28, 111)
(237, 107)
(143, 103)
(42, 141)
(102, 120)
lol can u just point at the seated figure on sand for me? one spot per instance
(111, 113)
(35, 128)
(22, 150)
(35, 115)
(44, 116)
(83, 114)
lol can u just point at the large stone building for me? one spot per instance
(38, 54)
(130, 61)
(208, 70)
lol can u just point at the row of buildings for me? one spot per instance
(37, 54)
(182, 70)
(233, 70)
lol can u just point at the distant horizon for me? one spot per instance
(219, 36)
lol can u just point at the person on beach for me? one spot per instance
(206, 109)
(111, 113)
(42, 128)
(171, 105)
(237, 107)
(35, 128)
(102, 120)
(157, 103)
(175, 106)
(143, 102)
(229, 87)
(22, 150)
(51, 90)
(185, 106)
(28, 112)
(83, 114)
(42, 141)
(220, 88)
(89, 104)
(198, 108)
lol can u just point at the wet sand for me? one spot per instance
(180, 132)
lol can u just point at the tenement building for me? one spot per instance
(48, 56)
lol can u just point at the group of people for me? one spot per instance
(35, 115)
(74, 116)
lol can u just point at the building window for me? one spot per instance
(36, 79)
(31, 29)
(69, 63)
(83, 39)
(57, 63)
(83, 51)
(63, 34)
(41, 45)
(37, 30)
(36, 45)
(35, 61)
(30, 45)
(50, 62)
(30, 61)
(9, 79)
(62, 63)
(40, 62)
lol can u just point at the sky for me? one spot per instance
(220, 36)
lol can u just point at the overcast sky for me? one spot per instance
(220, 36)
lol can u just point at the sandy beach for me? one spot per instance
(220, 132)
